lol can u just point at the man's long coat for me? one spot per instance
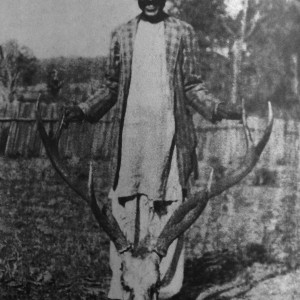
(187, 90)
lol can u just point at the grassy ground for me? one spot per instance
(51, 246)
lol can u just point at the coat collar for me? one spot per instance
(172, 39)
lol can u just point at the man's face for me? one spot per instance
(152, 8)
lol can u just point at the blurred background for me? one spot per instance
(250, 49)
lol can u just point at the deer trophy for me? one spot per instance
(140, 263)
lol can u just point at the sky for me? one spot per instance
(63, 27)
(233, 7)
(52, 28)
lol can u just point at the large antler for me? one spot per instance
(190, 210)
(104, 216)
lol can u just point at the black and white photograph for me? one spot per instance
(149, 149)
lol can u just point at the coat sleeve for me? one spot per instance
(105, 98)
(196, 94)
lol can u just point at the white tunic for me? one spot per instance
(149, 124)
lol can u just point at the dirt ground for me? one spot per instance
(51, 246)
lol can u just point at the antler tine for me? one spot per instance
(263, 141)
(106, 220)
(210, 180)
(61, 123)
(245, 126)
(190, 210)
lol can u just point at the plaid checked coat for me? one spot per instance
(187, 89)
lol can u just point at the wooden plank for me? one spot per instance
(18, 136)
(23, 131)
(107, 140)
(64, 137)
(98, 141)
(12, 131)
(46, 111)
(4, 129)
(95, 141)
(68, 144)
(32, 137)
(83, 144)
(31, 130)
(35, 141)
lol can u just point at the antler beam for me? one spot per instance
(103, 216)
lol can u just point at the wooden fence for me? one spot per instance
(19, 136)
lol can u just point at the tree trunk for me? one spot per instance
(295, 78)
(236, 65)
(237, 50)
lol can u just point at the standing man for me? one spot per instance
(153, 82)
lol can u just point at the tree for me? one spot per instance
(254, 55)
(293, 18)
(240, 32)
(218, 32)
(272, 57)
(206, 17)
(17, 66)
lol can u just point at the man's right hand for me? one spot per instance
(228, 111)
(73, 114)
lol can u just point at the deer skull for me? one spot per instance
(140, 275)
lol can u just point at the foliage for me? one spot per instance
(204, 16)
(266, 69)
(207, 18)
(266, 72)
(264, 176)
(17, 66)
(268, 59)
(72, 70)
